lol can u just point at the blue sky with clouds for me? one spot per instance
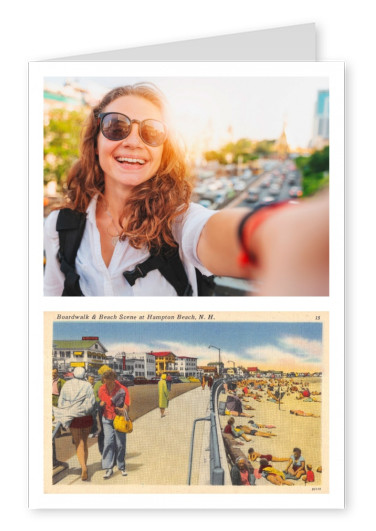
(272, 344)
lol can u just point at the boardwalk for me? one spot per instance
(157, 450)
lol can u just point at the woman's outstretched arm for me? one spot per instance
(291, 247)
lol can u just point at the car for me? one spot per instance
(127, 380)
(295, 191)
(253, 196)
(239, 186)
(184, 380)
(154, 379)
(274, 189)
(139, 380)
(268, 199)
(193, 380)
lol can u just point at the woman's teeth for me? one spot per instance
(130, 161)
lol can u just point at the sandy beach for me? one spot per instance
(292, 431)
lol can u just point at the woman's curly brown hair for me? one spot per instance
(153, 205)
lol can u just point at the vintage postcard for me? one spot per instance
(222, 402)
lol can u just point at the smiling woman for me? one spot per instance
(127, 226)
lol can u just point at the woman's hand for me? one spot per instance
(291, 248)
(101, 403)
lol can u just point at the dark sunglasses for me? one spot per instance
(117, 126)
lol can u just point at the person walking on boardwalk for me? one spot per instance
(94, 429)
(163, 395)
(203, 382)
(57, 384)
(75, 406)
(114, 441)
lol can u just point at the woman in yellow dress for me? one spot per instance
(163, 395)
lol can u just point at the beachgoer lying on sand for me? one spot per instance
(272, 474)
(242, 473)
(300, 413)
(256, 431)
(257, 425)
(253, 456)
(255, 396)
(236, 414)
(296, 466)
(235, 431)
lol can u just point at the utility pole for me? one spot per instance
(219, 358)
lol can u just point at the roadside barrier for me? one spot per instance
(216, 470)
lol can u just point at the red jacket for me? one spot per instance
(109, 409)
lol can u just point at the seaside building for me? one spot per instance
(186, 366)
(208, 369)
(165, 362)
(140, 364)
(136, 367)
(87, 352)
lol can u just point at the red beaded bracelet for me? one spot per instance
(247, 227)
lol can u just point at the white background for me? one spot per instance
(41, 30)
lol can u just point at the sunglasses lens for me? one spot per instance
(153, 132)
(115, 126)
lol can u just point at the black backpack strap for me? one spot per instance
(168, 262)
(205, 284)
(70, 225)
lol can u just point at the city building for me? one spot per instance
(165, 362)
(87, 352)
(136, 367)
(208, 369)
(217, 364)
(320, 135)
(140, 362)
(186, 366)
(68, 97)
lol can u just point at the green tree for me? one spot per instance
(264, 147)
(61, 143)
(315, 170)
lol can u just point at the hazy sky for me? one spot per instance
(276, 346)
(255, 107)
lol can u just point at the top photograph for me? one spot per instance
(186, 186)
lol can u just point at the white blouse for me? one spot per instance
(98, 280)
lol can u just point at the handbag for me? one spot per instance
(123, 423)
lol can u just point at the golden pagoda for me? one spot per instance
(281, 146)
